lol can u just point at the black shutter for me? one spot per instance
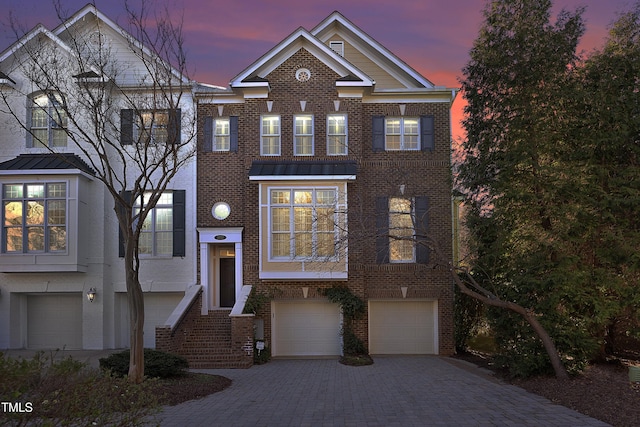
(126, 127)
(233, 134)
(427, 136)
(126, 195)
(382, 230)
(28, 122)
(208, 134)
(422, 229)
(174, 126)
(377, 130)
(179, 229)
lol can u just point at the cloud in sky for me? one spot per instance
(223, 37)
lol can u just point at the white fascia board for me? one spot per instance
(302, 178)
(45, 172)
(39, 29)
(362, 36)
(412, 95)
(288, 47)
(304, 275)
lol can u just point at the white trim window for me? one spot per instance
(402, 133)
(270, 135)
(303, 135)
(47, 122)
(34, 217)
(336, 134)
(401, 230)
(152, 127)
(156, 238)
(303, 223)
(221, 134)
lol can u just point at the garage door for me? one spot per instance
(157, 309)
(309, 328)
(402, 327)
(54, 321)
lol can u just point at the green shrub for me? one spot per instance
(64, 392)
(157, 364)
(351, 343)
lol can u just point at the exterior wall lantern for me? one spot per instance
(91, 294)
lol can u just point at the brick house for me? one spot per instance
(324, 163)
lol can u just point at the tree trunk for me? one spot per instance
(529, 316)
(135, 301)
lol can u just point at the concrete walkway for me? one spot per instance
(394, 391)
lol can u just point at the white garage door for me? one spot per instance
(157, 309)
(402, 327)
(54, 321)
(309, 328)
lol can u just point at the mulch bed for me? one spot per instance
(603, 391)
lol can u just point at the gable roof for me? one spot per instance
(56, 36)
(337, 23)
(316, 42)
(254, 74)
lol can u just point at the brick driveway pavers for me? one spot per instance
(394, 391)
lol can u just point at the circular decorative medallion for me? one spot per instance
(221, 210)
(303, 75)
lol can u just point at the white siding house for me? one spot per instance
(59, 235)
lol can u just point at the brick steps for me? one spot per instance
(208, 343)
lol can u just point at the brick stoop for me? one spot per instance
(209, 345)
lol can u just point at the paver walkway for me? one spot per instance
(394, 391)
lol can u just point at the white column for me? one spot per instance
(239, 281)
(204, 277)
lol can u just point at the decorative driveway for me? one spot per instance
(394, 391)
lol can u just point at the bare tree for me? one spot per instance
(123, 102)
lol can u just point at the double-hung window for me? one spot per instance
(303, 135)
(270, 135)
(336, 134)
(401, 230)
(34, 217)
(163, 231)
(221, 134)
(402, 133)
(303, 223)
(150, 126)
(47, 122)
(157, 230)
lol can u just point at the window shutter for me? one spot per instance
(377, 130)
(233, 134)
(422, 228)
(382, 230)
(173, 127)
(427, 136)
(208, 134)
(179, 229)
(28, 122)
(126, 195)
(126, 127)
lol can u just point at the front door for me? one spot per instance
(227, 282)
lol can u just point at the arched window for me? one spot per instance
(47, 121)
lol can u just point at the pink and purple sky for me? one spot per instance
(223, 37)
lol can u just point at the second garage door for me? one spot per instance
(309, 328)
(54, 321)
(403, 327)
